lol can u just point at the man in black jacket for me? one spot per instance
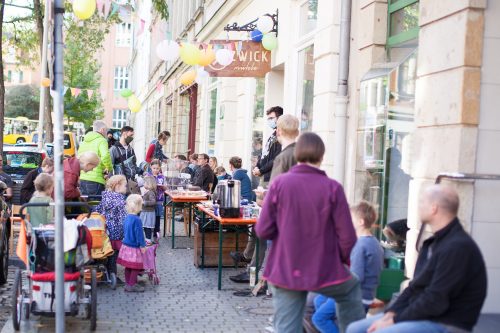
(271, 149)
(204, 177)
(123, 156)
(449, 286)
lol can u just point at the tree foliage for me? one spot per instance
(22, 101)
(161, 7)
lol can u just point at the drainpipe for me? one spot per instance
(342, 98)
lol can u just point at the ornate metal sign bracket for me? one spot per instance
(250, 26)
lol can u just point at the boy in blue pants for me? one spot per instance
(367, 259)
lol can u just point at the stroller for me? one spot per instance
(101, 250)
(149, 263)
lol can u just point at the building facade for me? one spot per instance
(422, 92)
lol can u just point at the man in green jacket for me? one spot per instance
(93, 182)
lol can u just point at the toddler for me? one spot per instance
(148, 214)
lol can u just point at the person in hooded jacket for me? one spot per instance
(123, 155)
(93, 182)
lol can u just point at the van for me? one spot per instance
(70, 143)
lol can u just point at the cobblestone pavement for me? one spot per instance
(187, 300)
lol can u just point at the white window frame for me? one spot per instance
(120, 118)
(121, 79)
(123, 34)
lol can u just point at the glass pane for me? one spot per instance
(306, 87)
(212, 122)
(308, 17)
(257, 128)
(404, 19)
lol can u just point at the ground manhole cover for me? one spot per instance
(260, 310)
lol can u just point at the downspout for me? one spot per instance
(342, 98)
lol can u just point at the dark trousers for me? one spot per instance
(91, 188)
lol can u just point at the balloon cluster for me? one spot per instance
(134, 104)
(263, 33)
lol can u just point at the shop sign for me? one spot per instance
(250, 59)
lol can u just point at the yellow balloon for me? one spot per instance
(188, 77)
(84, 9)
(190, 54)
(45, 82)
(206, 58)
(134, 104)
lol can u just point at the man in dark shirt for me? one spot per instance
(204, 177)
(449, 286)
(271, 149)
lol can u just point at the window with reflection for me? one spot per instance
(305, 89)
(257, 127)
(308, 17)
(386, 122)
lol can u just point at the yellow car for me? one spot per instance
(70, 143)
(16, 138)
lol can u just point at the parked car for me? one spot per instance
(70, 143)
(16, 138)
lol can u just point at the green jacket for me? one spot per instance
(95, 142)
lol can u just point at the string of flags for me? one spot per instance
(75, 92)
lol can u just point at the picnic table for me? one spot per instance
(177, 199)
(224, 222)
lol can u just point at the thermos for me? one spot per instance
(229, 196)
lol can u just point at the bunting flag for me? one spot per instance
(75, 92)
(99, 7)
(65, 90)
(141, 27)
(107, 7)
(159, 86)
(114, 9)
(90, 93)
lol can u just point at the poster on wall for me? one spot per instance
(250, 59)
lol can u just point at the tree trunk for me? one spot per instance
(2, 83)
(48, 128)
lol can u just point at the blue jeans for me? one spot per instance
(417, 326)
(325, 314)
(289, 305)
(91, 188)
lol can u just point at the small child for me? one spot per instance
(148, 214)
(134, 244)
(221, 173)
(160, 189)
(367, 260)
(44, 186)
(112, 207)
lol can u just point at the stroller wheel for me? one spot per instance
(113, 280)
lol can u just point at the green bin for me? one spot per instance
(390, 283)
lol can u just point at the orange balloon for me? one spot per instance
(207, 57)
(188, 77)
(45, 82)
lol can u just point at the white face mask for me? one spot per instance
(271, 123)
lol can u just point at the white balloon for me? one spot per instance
(224, 57)
(201, 75)
(265, 24)
(167, 50)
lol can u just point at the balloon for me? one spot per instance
(188, 77)
(134, 104)
(269, 41)
(256, 35)
(126, 93)
(190, 54)
(201, 75)
(207, 57)
(265, 24)
(167, 50)
(224, 57)
(84, 9)
(45, 82)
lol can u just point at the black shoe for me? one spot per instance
(240, 278)
(238, 257)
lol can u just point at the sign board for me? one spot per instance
(250, 59)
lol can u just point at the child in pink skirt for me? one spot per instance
(133, 245)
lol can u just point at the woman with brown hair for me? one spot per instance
(155, 150)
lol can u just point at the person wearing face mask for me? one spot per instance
(93, 181)
(123, 156)
(271, 149)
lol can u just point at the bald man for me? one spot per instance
(449, 287)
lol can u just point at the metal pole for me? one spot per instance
(41, 111)
(57, 94)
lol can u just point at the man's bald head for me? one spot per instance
(438, 204)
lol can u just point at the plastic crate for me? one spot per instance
(390, 283)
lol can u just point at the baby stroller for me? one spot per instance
(34, 288)
(149, 263)
(101, 250)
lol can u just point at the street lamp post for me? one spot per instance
(57, 95)
(41, 110)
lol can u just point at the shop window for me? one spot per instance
(403, 21)
(257, 127)
(120, 117)
(121, 79)
(305, 87)
(308, 17)
(212, 121)
(385, 126)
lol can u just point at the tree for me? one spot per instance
(22, 101)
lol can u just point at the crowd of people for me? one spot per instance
(314, 245)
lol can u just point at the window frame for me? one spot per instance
(123, 34)
(122, 121)
(393, 7)
(123, 77)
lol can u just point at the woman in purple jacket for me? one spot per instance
(307, 217)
